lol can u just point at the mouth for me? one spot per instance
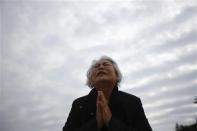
(101, 73)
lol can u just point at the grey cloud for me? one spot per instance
(184, 59)
(175, 93)
(18, 112)
(174, 104)
(165, 81)
(36, 87)
(115, 15)
(171, 117)
(186, 15)
(132, 12)
(185, 77)
(184, 40)
(87, 27)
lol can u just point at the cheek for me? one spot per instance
(93, 75)
(115, 76)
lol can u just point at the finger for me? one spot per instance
(104, 110)
(98, 106)
(104, 104)
(106, 114)
(99, 96)
(103, 97)
(98, 112)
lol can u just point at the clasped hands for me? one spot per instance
(103, 113)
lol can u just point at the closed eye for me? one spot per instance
(106, 64)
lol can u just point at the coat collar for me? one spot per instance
(114, 98)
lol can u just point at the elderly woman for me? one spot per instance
(106, 108)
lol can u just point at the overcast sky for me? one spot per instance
(47, 47)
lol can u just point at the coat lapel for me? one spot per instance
(91, 103)
(115, 104)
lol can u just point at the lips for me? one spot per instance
(101, 73)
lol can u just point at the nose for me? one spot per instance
(101, 66)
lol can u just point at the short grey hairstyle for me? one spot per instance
(115, 66)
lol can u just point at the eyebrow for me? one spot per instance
(105, 62)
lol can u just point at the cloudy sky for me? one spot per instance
(47, 47)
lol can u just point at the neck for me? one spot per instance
(106, 88)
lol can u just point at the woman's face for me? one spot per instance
(103, 71)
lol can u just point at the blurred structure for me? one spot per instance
(192, 127)
(195, 100)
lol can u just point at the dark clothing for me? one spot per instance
(127, 113)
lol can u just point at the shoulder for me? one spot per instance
(80, 100)
(130, 102)
(127, 97)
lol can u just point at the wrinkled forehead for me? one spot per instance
(102, 60)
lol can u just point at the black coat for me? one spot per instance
(127, 113)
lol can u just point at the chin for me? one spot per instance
(99, 89)
(101, 80)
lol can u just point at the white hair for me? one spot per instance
(115, 66)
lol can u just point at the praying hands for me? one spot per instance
(103, 113)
